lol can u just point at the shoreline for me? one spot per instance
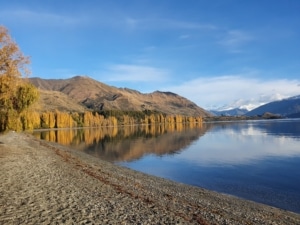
(44, 182)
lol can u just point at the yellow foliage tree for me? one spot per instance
(30, 120)
(48, 120)
(16, 95)
(64, 120)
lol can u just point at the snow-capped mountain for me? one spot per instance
(240, 107)
(289, 107)
(230, 112)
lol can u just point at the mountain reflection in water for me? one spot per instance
(119, 144)
(225, 143)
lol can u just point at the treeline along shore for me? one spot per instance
(29, 120)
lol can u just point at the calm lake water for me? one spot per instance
(256, 160)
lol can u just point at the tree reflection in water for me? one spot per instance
(127, 143)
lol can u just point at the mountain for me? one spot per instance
(230, 112)
(95, 95)
(289, 107)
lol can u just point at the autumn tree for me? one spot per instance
(16, 95)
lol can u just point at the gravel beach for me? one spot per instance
(46, 183)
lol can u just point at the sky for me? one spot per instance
(216, 53)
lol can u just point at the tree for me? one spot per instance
(16, 94)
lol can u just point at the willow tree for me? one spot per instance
(16, 94)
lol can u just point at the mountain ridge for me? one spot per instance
(98, 96)
(286, 107)
(230, 112)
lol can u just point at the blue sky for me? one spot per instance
(215, 53)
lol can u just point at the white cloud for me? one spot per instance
(215, 92)
(135, 73)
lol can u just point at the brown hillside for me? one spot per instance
(99, 96)
(54, 100)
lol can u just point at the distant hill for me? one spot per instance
(230, 112)
(289, 107)
(89, 93)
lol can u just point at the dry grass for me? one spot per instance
(54, 100)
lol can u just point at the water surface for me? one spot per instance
(256, 160)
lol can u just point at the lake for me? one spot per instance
(255, 160)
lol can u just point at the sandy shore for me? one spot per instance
(45, 183)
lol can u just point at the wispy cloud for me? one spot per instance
(184, 36)
(131, 23)
(233, 40)
(163, 23)
(186, 25)
(135, 73)
(41, 18)
(98, 18)
(214, 92)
